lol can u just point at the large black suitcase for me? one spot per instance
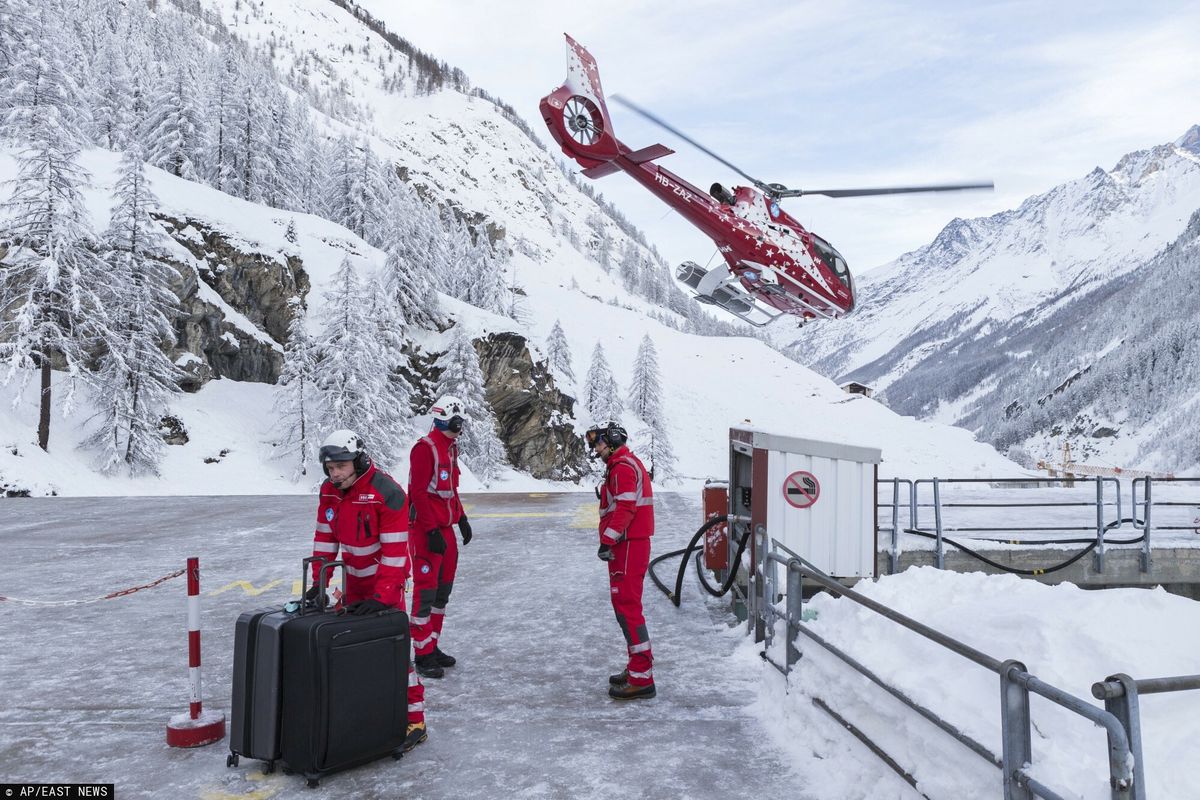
(319, 690)
(254, 716)
(345, 691)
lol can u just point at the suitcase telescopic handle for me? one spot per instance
(325, 568)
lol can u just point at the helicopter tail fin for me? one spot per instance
(577, 115)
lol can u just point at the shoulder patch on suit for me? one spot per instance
(393, 495)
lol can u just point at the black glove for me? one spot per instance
(437, 543)
(464, 528)
(311, 596)
(605, 553)
(364, 607)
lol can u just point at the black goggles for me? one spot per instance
(593, 436)
(455, 424)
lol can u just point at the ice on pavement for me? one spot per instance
(88, 689)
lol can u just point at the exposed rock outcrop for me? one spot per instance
(255, 285)
(534, 416)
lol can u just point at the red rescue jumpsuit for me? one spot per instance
(433, 492)
(626, 525)
(369, 522)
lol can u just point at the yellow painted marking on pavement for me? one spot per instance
(247, 587)
(274, 785)
(536, 494)
(586, 516)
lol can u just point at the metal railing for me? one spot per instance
(1120, 695)
(924, 499)
(1145, 521)
(1016, 683)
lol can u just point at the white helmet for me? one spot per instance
(343, 445)
(449, 413)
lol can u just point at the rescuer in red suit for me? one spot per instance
(433, 493)
(626, 525)
(364, 513)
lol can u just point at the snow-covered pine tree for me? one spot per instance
(631, 267)
(645, 388)
(354, 196)
(296, 402)
(353, 377)
(173, 131)
(134, 380)
(600, 396)
(49, 274)
(387, 327)
(558, 353)
(112, 96)
(14, 29)
(282, 179)
(462, 377)
(645, 400)
(220, 155)
(252, 138)
(485, 284)
(459, 258)
(408, 280)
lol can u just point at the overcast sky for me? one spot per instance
(837, 94)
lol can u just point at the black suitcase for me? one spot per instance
(257, 668)
(344, 690)
(322, 691)
(254, 716)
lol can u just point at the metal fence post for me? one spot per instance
(1099, 524)
(1015, 731)
(795, 610)
(1147, 557)
(757, 576)
(937, 517)
(912, 505)
(894, 555)
(1123, 704)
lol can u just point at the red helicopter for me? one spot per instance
(772, 264)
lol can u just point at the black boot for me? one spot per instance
(620, 679)
(442, 659)
(416, 735)
(631, 692)
(428, 667)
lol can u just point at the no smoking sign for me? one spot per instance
(801, 489)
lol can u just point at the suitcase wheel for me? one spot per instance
(313, 783)
(231, 760)
(269, 768)
(397, 754)
(287, 771)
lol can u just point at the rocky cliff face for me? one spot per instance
(244, 345)
(534, 416)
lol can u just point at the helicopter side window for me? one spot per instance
(831, 257)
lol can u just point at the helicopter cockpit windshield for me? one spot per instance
(833, 259)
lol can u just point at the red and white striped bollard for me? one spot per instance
(196, 727)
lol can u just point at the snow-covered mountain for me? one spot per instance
(468, 156)
(993, 324)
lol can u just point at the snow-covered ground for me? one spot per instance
(88, 688)
(1067, 636)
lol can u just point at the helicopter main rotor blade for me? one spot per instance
(660, 123)
(949, 187)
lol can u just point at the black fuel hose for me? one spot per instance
(1044, 571)
(674, 596)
